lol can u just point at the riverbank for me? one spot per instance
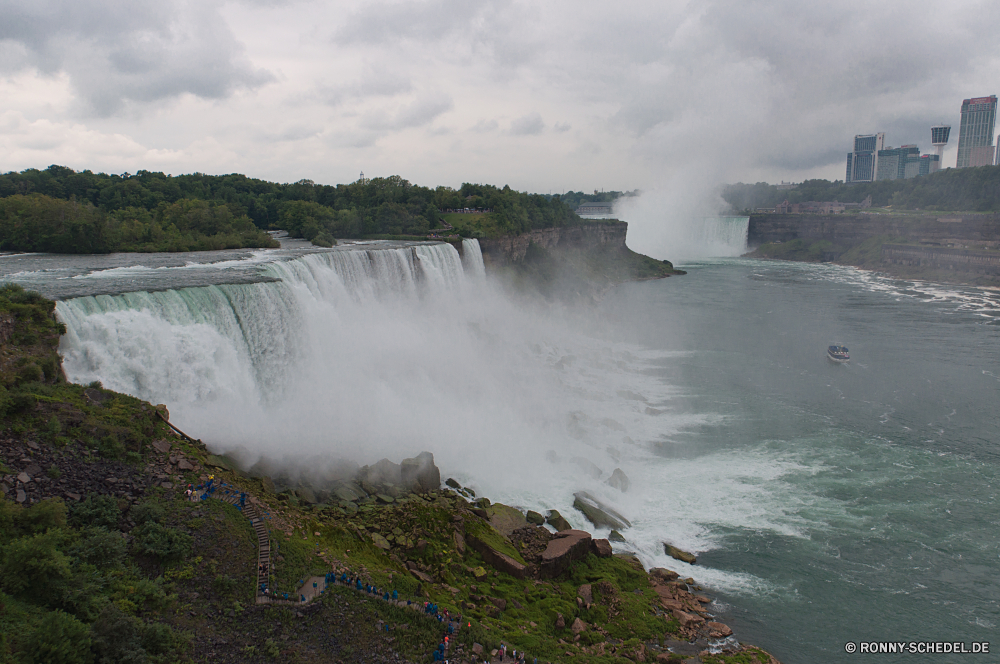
(96, 483)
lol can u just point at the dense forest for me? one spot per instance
(954, 189)
(61, 210)
(575, 199)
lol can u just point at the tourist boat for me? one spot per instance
(838, 354)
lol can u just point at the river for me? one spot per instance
(826, 503)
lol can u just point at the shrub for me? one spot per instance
(117, 637)
(40, 517)
(59, 638)
(29, 373)
(34, 563)
(111, 448)
(147, 511)
(97, 511)
(161, 541)
(100, 548)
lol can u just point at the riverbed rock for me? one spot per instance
(662, 574)
(565, 548)
(598, 513)
(616, 536)
(557, 521)
(687, 619)
(619, 480)
(534, 518)
(678, 554)
(453, 483)
(420, 473)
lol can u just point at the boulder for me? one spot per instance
(162, 446)
(602, 548)
(421, 576)
(597, 513)
(420, 473)
(678, 554)
(619, 480)
(453, 483)
(534, 518)
(687, 619)
(384, 472)
(719, 630)
(586, 593)
(477, 649)
(459, 543)
(348, 491)
(498, 559)
(384, 498)
(479, 573)
(556, 520)
(616, 536)
(662, 574)
(306, 495)
(381, 542)
(578, 626)
(499, 602)
(505, 519)
(560, 621)
(564, 549)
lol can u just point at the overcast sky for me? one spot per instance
(543, 96)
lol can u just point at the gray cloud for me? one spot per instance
(420, 112)
(118, 52)
(527, 125)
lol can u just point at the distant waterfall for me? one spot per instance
(239, 343)
(710, 237)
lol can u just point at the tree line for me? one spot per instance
(62, 210)
(954, 189)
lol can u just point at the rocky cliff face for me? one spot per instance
(982, 229)
(512, 248)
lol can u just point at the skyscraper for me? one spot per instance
(975, 136)
(862, 164)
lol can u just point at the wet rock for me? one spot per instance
(453, 483)
(420, 473)
(483, 502)
(619, 480)
(534, 518)
(678, 554)
(616, 536)
(588, 467)
(563, 549)
(602, 548)
(598, 513)
(687, 619)
(557, 521)
(662, 574)
(718, 630)
(384, 498)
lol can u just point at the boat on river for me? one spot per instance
(838, 354)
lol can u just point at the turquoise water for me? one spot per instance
(887, 467)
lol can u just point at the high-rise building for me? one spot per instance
(898, 163)
(929, 163)
(862, 163)
(975, 135)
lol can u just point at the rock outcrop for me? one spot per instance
(420, 473)
(557, 521)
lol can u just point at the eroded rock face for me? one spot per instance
(563, 549)
(505, 519)
(497, 559)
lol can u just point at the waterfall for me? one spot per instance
(242, 343)
(472, 258)
(707, 237)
